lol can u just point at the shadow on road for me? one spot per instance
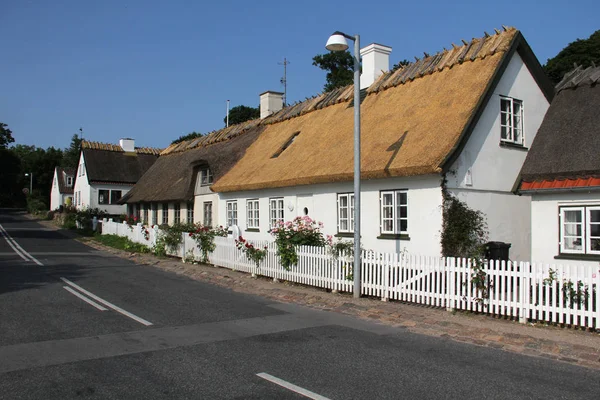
(23, 277)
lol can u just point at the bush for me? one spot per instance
(301, 231)
(122, 243)
(69, 221)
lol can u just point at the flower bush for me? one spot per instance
(252, 253)
(205, 238)
(145, 232)
(301, 231)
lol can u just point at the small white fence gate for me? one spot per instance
(562, 294)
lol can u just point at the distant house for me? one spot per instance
(106, 172)
(462, 119)
(62, 187)
(562, 174)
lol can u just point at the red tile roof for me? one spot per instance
(561, 183)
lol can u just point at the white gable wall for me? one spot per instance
(424, 211)
(494, 169)
(545, 225)
(55, 196)
(81, 191)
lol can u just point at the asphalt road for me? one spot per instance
(78, 323)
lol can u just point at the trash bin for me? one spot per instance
(497, 251)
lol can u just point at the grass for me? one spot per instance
(121, 243)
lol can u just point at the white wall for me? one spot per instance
(494, 168)
(545, 224)
(55, 197)
(199, 201)
(82, 186)
(424, 211)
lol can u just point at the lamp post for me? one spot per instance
(337, 42)
(30, 175)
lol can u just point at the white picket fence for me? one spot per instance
(517, 290)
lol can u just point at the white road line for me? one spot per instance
(291, 386)
(17, 248)
(82, 297)
(107, 304)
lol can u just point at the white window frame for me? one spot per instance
(165, 213)
(189, 206)
(276, 211)
(207, 206)
(586, 222)
(349, 207)
(176, 213)
(69, 181)
(395, 217)
(206, 177)
(154, 207)
(511, 131)
(232, 217)
(252, 214)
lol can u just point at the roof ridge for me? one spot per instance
(92, 145)
(477, 48)
(579, 77)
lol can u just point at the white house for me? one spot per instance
(61, 193)
(562, 174)
(106, 172)
(462, 119)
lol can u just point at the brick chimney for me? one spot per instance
(270, 103)
(375, 61)
(127, 144)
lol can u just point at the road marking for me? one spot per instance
(18, 249)
(292, 387)
(82, 297)
(107, 304)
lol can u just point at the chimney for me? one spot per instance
(127, 144)
(375, 61)
(270, 103)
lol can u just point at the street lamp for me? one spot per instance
(337, 42)
(30, 175)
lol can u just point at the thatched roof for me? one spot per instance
(173, 176)
(567, 144)
(61, 174)
(86, 144)
(414, 120)
(107, 163)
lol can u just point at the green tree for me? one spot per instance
(399, 64)
(5, 136)
(582, 52)
(191, 135)
(339, 66)
(71, 154)
(41, 163)
(239, 114)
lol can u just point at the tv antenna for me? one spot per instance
(284, 80)
(81, 133)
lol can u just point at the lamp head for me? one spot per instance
(337, 42)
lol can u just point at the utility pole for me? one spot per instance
(284, 80)
(227, 123)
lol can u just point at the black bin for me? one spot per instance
(497, 251)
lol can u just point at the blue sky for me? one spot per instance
(155, 70)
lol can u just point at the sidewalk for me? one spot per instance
(573, 346)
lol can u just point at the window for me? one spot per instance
(81, 169)
(154, 214)
(346, 212)
(580, 230)
(286, 145)
(394, 211)
(165, 213)
(115, 196)
(275, 211)
(232, 213)
(207, 209)
(69, 181)
(206, 177)
(144, 213)
(511, 120)
(252, 214)
(103, 196)
(177, 212)
(190, 212)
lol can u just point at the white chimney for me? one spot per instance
(375, 61)
(270, 103)
(127, 144)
